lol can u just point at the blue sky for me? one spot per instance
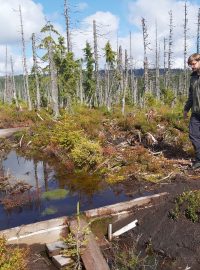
(79, 10)
(115, 18)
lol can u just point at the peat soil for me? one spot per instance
(174, 244)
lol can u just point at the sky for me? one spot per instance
(115, 20)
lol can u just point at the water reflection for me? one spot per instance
(45, 176)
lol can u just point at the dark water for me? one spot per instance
(89, 190)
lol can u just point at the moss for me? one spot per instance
(55, 194)
(114, 178)
(187, 204)
(154, 178)
(99, 226)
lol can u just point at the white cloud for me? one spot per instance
(82, 6)
(107, 26)
(158, 10)
(33, 20)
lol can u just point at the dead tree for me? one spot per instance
(35, 69)
(185, 49)
(54, 85)
(67, 22)
(157, 77)
(132, 77)
(146, 43)
(170, 43)
(6, 78)
(198, 31)
(24, 61)
(125, 83)
(121, 74)
(96, 63)
(13, 83)
(164, 62)
(9, 95)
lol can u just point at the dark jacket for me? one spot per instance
(193, 101)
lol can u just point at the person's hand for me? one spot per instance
(185, 114)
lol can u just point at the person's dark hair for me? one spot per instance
(193, 57)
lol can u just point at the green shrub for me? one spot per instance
(189, 204)
(66, 134)
(86, 153)
(12, 258)
(168, 96)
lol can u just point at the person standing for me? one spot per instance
(193, 104)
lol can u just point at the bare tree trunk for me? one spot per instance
(198, 31)
(24, 62)
(136, 101)
(9, 90)
(132, 77)
(125, 83)
(96, 62)
(6, 78)
(145, 41)
(157, 67)
(13, 83)
(54, 85)
(185, 50)
(168, 83)
(164, 63)
(67, 22)
(120, 69)
(36, 73)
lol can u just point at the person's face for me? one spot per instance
(195, 65)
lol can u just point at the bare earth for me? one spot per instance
(175, 242)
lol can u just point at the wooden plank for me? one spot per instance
(39, 232)
(61, 262)
(55, 248)
(124, 206)
(125, 228)
(91, 254)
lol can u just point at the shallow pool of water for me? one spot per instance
(89, 190)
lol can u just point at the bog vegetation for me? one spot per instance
(12, 258)
(140, 143)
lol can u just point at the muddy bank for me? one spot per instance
(169, 244)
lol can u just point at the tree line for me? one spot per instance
(62, 80)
